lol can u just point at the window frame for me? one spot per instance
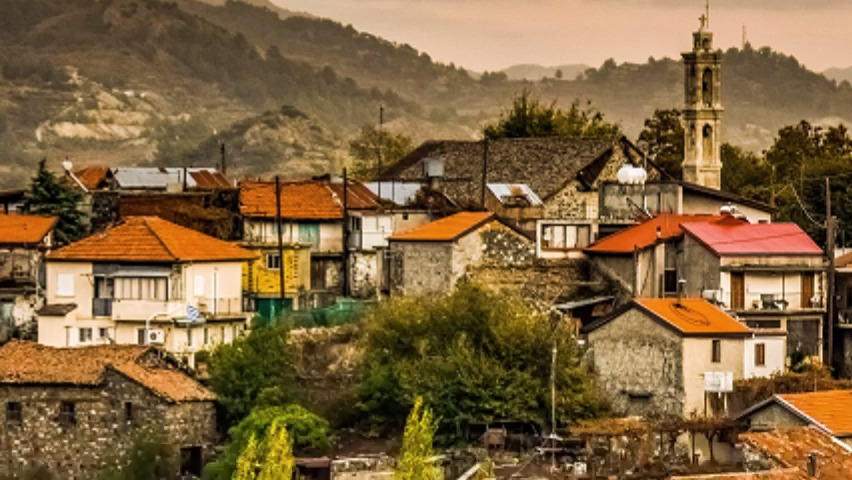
(759, 354)
(67, 414)
(547, 240)
(65, 284)
(716, 351)
(18, 418)
(269, 258)
(90, 337)
(129, 413)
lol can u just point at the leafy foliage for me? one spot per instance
(149, 458)
(49, 195)
(474, 356)
(414, 457)
(307, 432)
(374, 149)
(253, 370)
(811, 379)
(269, 459)
(663, 135)
(529, 117)
(745, 173)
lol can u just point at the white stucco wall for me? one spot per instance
(698, 359)
(774, 356)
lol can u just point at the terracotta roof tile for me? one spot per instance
(830, 408)
(91, 177)
(309, 200)
(150, 239)
(27, 229)
(446, 229)
(28, 363)
(645, 234)
(727, 238)
(793, 446)
(692, 316)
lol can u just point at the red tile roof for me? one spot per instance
(446, 229)
(830, 409)
(645, 234)
(794, 446)
(150, 239)
(692, 316)
(91, 177)
(27, 229)
(308, 200)
(730, 238)
(28, 363)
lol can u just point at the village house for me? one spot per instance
(669, 357)
(827, 411)
(24, 240)
(320, 264)
(145, 281)
(433, 257)
(76, 411)
(771, 276)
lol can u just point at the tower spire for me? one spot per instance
(707, 13)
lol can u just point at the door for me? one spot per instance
(737, 290)
(191, 462)
(807, 289)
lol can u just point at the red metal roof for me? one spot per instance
(729, 238)
(446, 229)
(26, 229)
(310, 200)
(151, 239)
(692, 316)
(645, 234)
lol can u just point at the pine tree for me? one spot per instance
(247, 461)
(414, 457)
(51, 196)
(278, 456)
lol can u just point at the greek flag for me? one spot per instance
(191, 313)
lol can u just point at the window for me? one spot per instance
(564, 237)
(189, 337)
(198, 286)
(717, 351)
(140, 336)
(273, 261)
(764, 324)
(206, 336)
(65, 285)
(128, 412)
(14, 413)
(67, 414)
(138, 288)
(355, 224)
(759, 354)
(85, 335)
(103, 332)
(807, 290)
(670, 281)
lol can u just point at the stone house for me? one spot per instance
(78, 410)
(771, 276)
(667, 357)
(827, 411)
(314, 224)
(24, 240)
(433, 257)
(145, 281)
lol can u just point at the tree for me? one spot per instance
(308, 433)
(558, 74)
(664, 137)
(51, 196)
(416, 453)
(268, 459)
(374, 149)
(745, 173)
(529, 117)
(253, 370)
(474, 356)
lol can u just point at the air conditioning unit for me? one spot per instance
(156, 336)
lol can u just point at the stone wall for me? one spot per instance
(101, 434)
(426, 267)
(364, 273)
(639, 364)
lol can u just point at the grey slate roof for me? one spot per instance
(57, 309)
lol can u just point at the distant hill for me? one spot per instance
(839, 74)
(530, 71)
(282, 12)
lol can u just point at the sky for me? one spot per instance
(494, 34)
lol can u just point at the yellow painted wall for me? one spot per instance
(297, 271)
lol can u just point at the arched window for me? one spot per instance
(707, 87)
(707, 143)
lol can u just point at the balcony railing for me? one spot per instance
(753, 300)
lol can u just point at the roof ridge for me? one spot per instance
(146, 220)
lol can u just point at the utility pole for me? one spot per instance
(484, 170)
(280, 242)
(345, 261)
(224, 163)
(829, 251)
(379, 150)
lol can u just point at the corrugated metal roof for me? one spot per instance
(727, 237)
(400, 193)
(504, 191)
(157, 178)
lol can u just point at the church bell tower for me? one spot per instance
(702, 111)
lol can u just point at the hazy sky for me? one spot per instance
(493, 34)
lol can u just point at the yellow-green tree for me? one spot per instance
(414, 459)
(270, 459)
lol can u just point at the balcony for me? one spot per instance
(220, 306)
(763, 301)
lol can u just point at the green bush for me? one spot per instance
(149, 458)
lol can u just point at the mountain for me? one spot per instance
(839, 74)
(281, 12)
(531, 71)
